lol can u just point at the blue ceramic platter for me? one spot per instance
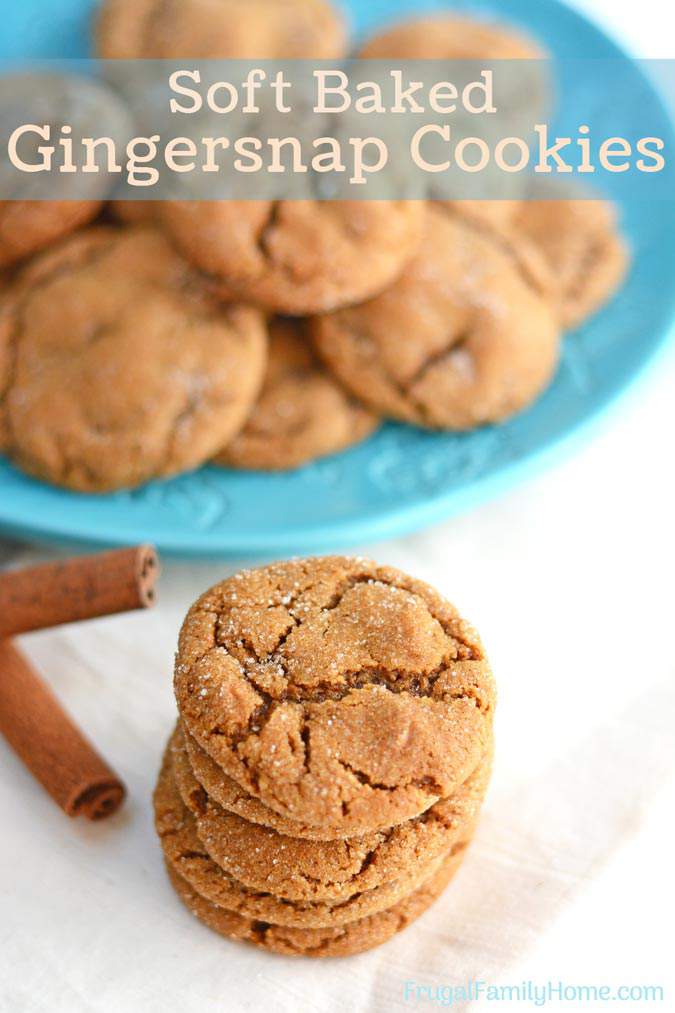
(402, 478)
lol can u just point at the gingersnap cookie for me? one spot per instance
(220, 29)
(521, 81)
(297, 257)
(464, 338)
(26, 227)
(48, 205)
(450, 38)
(121, 366)
(334, 941)
(338, 692)
(185, 852)
(580, 241)
(302, 413)
(300, 869)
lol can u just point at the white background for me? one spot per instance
(570, 580)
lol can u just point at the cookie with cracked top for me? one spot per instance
(580, 241)
(301, 869)
(297, 257)
(302, 414)
(185, 852)
(119, 364)
(338, 692)
(332, 941)
(469, 334)
(220, 29)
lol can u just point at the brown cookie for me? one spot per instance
(580, 241)
(26, 226)
(121, 366)
(465, 337)
(185, 852)
(339, 941)
(524, 92)
(297, 257)
(56, 203)
(221, 29)
(339, 692)
(302, 413)
(450, 38)
(300, 869)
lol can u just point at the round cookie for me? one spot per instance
(185, 852)
(587, 256)
(340, 693)
(300, 869)
(120, 365)
(26, 227)
(297, 257)
(302, 413)
(464, 338)
(220, 29)
(450, 38)
(524, 92)
(343, 941)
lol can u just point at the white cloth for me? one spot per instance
(570, 581)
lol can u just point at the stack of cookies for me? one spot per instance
(267, 334)
(332, 753)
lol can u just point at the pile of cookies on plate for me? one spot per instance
(333, 750)
(140, 340)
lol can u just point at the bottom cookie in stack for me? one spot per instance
(339, 941)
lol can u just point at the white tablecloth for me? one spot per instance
(570, 581)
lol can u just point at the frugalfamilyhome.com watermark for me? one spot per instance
(573, 995)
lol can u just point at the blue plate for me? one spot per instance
(402, 478)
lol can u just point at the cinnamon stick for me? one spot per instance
(52, 747)
(81, 588)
